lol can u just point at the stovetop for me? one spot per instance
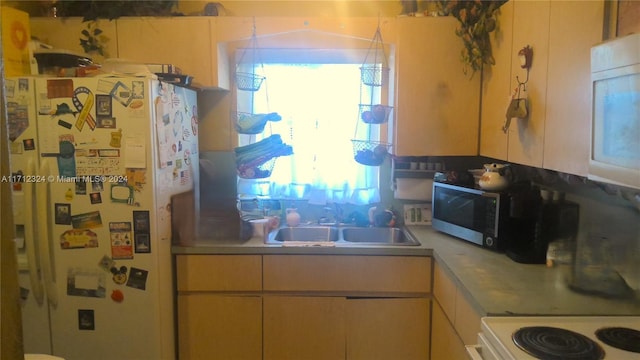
(499, 332)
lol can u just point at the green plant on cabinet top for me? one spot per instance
(477, 19)
(93, 40)
(99, 9)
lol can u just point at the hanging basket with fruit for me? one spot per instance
(375, 114)
(371, 153)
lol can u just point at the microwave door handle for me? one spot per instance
(462, 204)
(29, 237)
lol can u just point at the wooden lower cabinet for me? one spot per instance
(393, 328)
(213, 326)
(275, 307)
(324, 328)
(455, 322)
(301, 327)
(445, 343)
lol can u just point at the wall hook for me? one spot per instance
(526, 56)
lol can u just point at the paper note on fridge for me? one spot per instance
(135, 153)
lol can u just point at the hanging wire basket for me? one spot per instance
(375, 68)
(375, 114)
(258, 170)
(374, 75)
(371, 153)
(244, 125)
(249, 81)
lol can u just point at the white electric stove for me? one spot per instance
(562, 338)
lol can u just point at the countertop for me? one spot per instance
(494, 284)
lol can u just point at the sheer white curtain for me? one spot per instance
(318, 104)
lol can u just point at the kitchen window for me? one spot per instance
(318, 100)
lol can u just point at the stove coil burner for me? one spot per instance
(620, 337)
(551, 343)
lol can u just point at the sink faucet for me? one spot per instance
(337, 213)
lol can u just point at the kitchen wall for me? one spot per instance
(608, 239)
(304, 8)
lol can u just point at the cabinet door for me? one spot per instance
(299, 327)
(222, 327)
(445, 343)
(566, 136)
(496, 88)
(445, 291)
(437, 105)
(522, 23)
(530, 27)
(185, 42)
(387, 329)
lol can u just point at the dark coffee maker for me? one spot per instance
(534, 223)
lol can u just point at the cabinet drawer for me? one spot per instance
(348, 273)
(219, 272)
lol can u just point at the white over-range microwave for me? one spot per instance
(615, 124)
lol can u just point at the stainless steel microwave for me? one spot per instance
(475, 215)
(615, 126)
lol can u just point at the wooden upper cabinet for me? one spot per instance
(555, 135)
(496, 87)
(568, 114)
(437, 105)
(522, 23)
(187, 42)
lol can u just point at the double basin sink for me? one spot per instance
(343, 235)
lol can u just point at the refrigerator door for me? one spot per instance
(21, 111)
(113, 165)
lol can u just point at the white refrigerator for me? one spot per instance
(94, 163)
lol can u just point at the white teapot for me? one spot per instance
(495, 177)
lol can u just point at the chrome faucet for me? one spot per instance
(337, 212)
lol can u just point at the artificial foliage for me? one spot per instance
(104, 9)
(477, 20)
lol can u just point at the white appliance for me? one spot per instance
(94, 163)
(562, 337)
(615, 127)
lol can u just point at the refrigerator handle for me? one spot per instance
(29, 238)
(42, 208)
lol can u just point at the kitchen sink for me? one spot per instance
(378, 236)
(343, 235)
(305, 233)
